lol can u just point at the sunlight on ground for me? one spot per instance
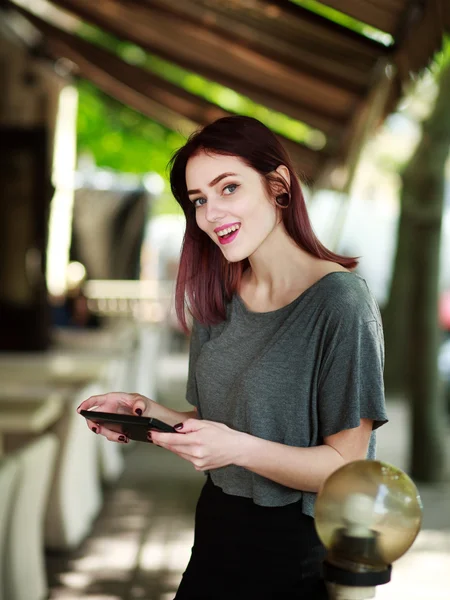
(424, 572)
(110, 553)
(75, 581)
(167, 546)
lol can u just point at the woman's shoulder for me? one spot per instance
(345, 283)
(346, 294)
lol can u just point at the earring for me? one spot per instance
(283, 200)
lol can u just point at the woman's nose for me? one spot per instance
(214, 211)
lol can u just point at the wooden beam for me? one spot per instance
(315, 49)
(151, 95)
(312, 20)
(420, 37)
(381, 14)
(266, 82)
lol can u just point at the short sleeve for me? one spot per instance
(351, 384)
(199, 335)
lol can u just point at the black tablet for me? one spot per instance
(133, 427)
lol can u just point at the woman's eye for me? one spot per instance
(233, 186)
(199, 202)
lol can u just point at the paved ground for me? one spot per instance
(141, 541)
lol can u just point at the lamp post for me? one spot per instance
(368, 514)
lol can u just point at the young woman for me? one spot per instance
(285, 373)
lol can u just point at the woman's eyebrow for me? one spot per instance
(213, 182)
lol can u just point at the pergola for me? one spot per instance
(338, 81)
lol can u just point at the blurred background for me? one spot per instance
(95, 97)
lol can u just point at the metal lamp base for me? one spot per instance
(346, 578)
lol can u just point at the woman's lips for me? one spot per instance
(229, 238)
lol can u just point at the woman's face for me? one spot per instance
(231, 204)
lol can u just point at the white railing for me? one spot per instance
(148, 301)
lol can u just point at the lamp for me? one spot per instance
(368, 514)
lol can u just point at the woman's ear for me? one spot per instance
(283, 171)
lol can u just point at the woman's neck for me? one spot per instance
(280, 271)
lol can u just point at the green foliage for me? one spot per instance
(121, 138)
(346, 21)
(442, 58)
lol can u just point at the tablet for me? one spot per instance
(132, 426)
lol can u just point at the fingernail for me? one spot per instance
(179, 426)
(94, 429)
(138, 411)
(149, 435)
(122, 438)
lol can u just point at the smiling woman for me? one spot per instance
(285, 368)
(235, 165)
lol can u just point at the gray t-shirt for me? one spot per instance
(293, 375)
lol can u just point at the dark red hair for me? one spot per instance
(206, 281)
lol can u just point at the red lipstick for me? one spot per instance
(227, 239)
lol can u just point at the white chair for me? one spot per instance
(9, 472)
(76, 490)
(25, 576)
(111, 460)
(147, 360)
(118, 342)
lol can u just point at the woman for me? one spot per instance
(285, 371)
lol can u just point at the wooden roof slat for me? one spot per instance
(208, 49)
(422, 37)
(275, 52)
(263, 81)
(383, 15)
(153, 96)
(315, 53)
(271, 17)
(310, 21)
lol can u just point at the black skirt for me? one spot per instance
(245, 551)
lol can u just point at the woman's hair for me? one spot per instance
(206, 281)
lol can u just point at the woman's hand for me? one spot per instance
(206, 444)
(115, 402)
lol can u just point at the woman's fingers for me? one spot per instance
(172, 439)
(113, 402)
(191, 425)
(192, 454)
(94, 427)
(93, 403)
(102, 403)
(112, 436)
(139, 406)
(120, 402)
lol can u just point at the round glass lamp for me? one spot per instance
(368, 514)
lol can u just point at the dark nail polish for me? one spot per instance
(122, 438)
(94, 429)
(179, 426)
(138, 411)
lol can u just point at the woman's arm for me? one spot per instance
(305, 468)
(210, 445)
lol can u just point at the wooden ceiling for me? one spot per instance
(274, 52)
